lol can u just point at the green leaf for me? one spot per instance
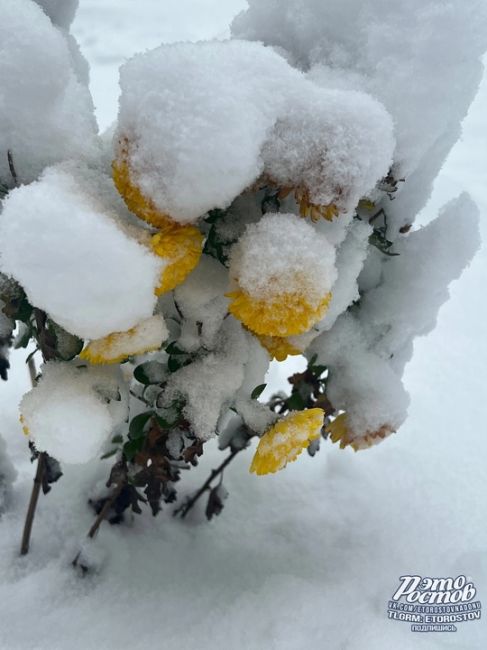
(318, 370)
(312, 361)
(23, 340)
(173, 364)
(215, 215)
(296, 403)
(150, 372)
(172, 348)
(137, 425)
(163, 423)
(117, 440)
(132, 447)
(258, 390)
(18, 308)
(109, 454)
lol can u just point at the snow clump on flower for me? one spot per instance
(73, 260)
(72, 411)
(284, 271)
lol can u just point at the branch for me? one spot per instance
(11, 166)
(29, 520)
(100, 517)
(183, 510)
(104, 511)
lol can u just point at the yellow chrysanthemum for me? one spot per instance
(283, 442)
(181, 246)
(135, 200)
(278, 347)
(288, 314)
(147, 336)
(340, 431)
(307, 208)
(25, 428)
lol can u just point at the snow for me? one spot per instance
(283, 254)
(8, 475)
(108, 279)
(336, 143)
(177, 117)
(349, 262)
(61, 12)
(362, 383)
(72, 410)
(209, 384)
(63, 124)
(309, 557)
(408, 55)
(415, 286)
(201, 299)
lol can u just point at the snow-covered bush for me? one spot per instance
(257, 201)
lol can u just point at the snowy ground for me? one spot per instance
(307, 558)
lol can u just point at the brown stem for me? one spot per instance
(12, 169)
(31, 364)
(104, 511)
(29, 520)
(186, 507)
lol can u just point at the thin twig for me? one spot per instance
(101, 516)
(104, 511)
(47, 354)
(31, 364)
(29, 520)
(186, 507)
(11, 166)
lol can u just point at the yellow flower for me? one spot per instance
(136, 202)
(181, 246)
(147, 336)
(287, 314)
(25, 428)
(278, 347)
(283, 442)
(306, 207)
(340, 431)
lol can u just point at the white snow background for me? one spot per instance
(307, 558)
